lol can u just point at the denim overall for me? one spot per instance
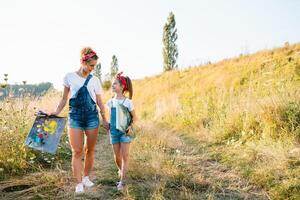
(83, 113)
(116, 136)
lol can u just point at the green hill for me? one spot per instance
(246, 110)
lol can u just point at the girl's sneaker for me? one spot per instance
(79, 188)
(86, 182)
(121, 186)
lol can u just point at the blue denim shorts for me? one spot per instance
(117, 136)
(84, 125)
(83, 120)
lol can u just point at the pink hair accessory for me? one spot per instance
(123, 81)
(88, 56)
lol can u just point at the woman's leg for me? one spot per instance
(117, 155)
(91, 140)
(124, 157)
(76, 142)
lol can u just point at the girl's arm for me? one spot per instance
(102, 110)
(62, 102)
(134, 119)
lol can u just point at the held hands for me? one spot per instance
(105, 124)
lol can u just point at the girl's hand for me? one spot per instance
(105, 124)
(129, 130)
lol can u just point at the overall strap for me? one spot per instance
(123, 101)
(87, 80)
(115, 101)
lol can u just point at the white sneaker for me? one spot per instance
(79, 188)
(120, 186)
(86, 182)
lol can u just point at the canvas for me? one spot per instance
(46, 132)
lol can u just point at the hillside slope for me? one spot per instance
(245, 109)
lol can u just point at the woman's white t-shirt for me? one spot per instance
(73, 81)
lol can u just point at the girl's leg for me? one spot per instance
(124, 156)
(91, 140)
(117, 155)
(76, 142)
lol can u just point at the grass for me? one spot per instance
(227, 130)
(167, 164)
(17, 116)
(246, 108)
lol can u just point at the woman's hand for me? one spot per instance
(53, 113)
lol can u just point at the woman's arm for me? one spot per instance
(62, 102)
(102, 110)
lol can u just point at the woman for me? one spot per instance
(85, 95)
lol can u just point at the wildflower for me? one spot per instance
(33, 157)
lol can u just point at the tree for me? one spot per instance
(170, 51)
(97, 72)
(114, 66)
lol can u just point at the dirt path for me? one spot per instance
(181, 169)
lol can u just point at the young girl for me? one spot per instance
(83, 115)
(120, 140)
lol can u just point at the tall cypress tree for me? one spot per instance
(114, 66)
(170, 51)
(97, 72)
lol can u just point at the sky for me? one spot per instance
(40, 40)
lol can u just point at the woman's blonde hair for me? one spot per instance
(87, 54)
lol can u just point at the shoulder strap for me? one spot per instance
(87, 80)
(123, 101)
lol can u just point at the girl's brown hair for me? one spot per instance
(129, 87)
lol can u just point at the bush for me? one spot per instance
(106, 85)
(290, 118)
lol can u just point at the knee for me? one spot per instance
(77, 153)
(125, 157)
(118, 157)
(89, 151)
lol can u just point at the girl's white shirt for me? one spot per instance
(126, 102)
